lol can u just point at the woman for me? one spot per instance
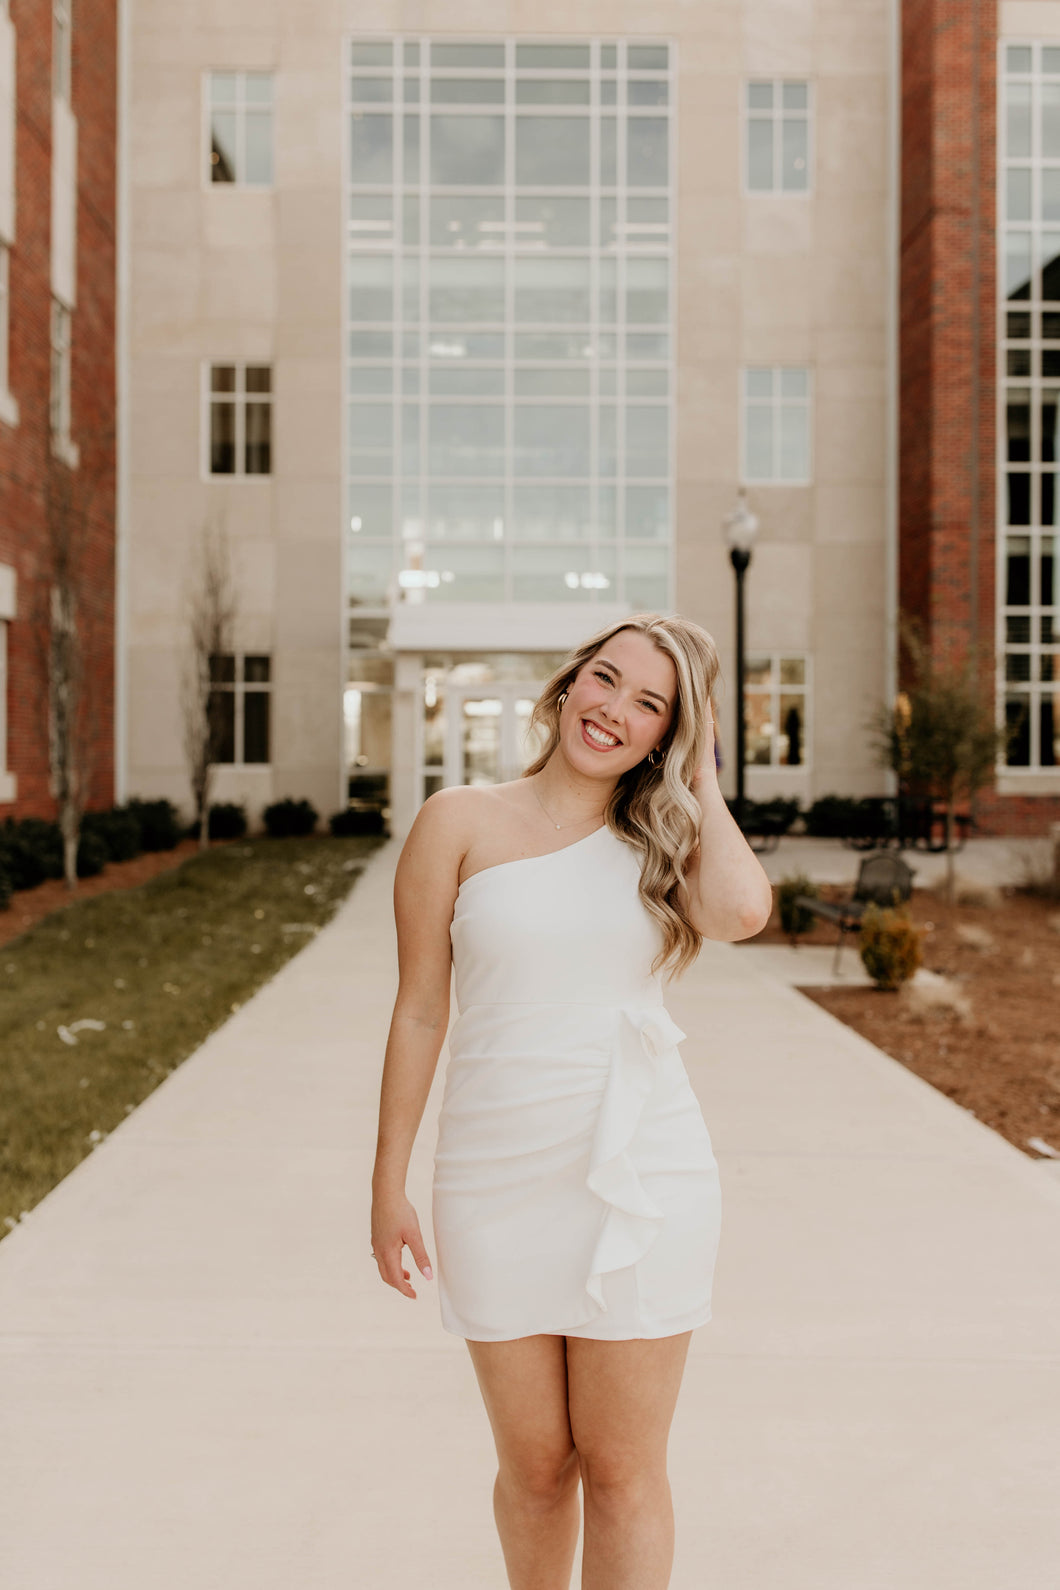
(575, 1198)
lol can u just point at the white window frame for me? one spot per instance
(776, 115)
(776, 403)
(62, 50)
(774, 690)
(600, 565)
(239, 399)
(239, 686)
(9, 410)
(239, 107)
(1034, 772)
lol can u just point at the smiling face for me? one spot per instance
(619, 706)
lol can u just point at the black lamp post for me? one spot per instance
(740, 528)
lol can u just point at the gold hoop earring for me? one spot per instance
(561, 699)
(654, 760)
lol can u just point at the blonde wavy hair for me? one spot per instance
(654, 809)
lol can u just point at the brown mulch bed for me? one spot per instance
(1003, 1061)
(29, 905)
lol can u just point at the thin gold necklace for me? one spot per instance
(549, 815)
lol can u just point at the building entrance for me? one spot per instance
(488, 740)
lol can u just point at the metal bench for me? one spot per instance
(883, 879)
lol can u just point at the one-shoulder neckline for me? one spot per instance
(522, 861)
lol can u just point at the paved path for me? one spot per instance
(205, 1386)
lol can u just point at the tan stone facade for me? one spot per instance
(231, 274)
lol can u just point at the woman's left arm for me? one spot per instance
(730, 896)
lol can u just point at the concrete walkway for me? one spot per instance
(206, 1387)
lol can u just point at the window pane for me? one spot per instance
(566, 382)
(1050, 120)
(543, 91)
(759, 96)
(259, 147)
(258, 441)
(647, 290)
(222, 668)
(1050, 268)
(370, 441)
(222, 88)
(466, 513)
(1018, 265)
(794, 96)
(1019, 499)
(371, 148)
(552, 289)
(647, 577)
(547, 57)
(549, 574)
(223, 146)
(479, 56)
(1018, 581)
(647, 433)
(371, 287)
(222, 439)
(1018, 58)
(794, 443)
(559, 223)
(466, 574)
(1051, 194)
(411, 127)
(760, 154)
(551, 440)
(1017, 720)
(608, 152)
(647, 151)
(222, 378)
(370, 509)
(759, 441)
(1050, 413)
(552, 151)
(467, 91)
(370, 53)
(648, 57)
(1018, 410)
(794, 382)
(648, 512)
(794, 138)
(792, 731)
(1048, 571)
(552, 513)
(256, 726)
(466, 439)
(457, 381)
(368, 380)
(368, 573)
(1018, 119)
(466, 221)
(607, 445)
(258, 378)
(371, 344)
(792, 671)
(467, 150)
(221, 712)
(466, 289)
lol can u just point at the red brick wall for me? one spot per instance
(24, 450)
(947, 383)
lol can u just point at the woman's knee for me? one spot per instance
(540, 1474)
(619, 1478)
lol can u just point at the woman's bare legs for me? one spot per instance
(535, 1495)
(621, 1398)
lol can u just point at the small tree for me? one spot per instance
(939, 736)
(70, 624)
(211, 615)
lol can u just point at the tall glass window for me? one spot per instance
(509, 321)
(1029, 432)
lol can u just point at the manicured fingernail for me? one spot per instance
(428, 1272)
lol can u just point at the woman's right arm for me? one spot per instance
(425, 885)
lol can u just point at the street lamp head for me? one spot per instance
(740, 526)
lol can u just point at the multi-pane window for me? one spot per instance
(239, 107)
(509, 321)
(775, 690)
(239, 707)
(777, 136)
(62, 48)
(776, 425)
(1029, 272)
(60, 376)
(240, 419)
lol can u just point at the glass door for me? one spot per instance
(488, 739)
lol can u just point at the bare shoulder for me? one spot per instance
(438, 841)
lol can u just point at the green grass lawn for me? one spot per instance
(160, 966)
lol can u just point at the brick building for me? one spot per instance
(58, 107)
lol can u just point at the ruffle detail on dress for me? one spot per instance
(633, 1220)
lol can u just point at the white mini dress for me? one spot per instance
(575, 1189)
